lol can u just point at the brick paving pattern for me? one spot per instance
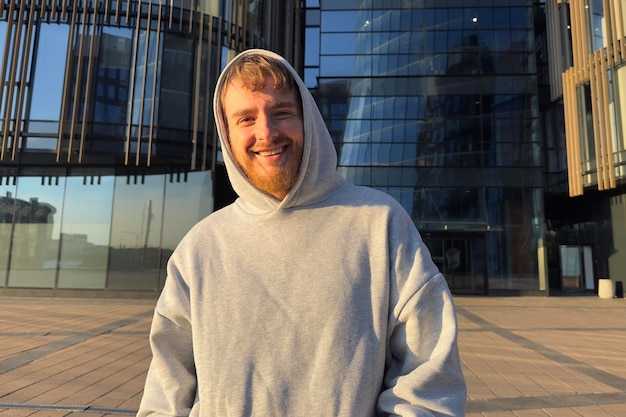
(61, 356)
(526, 356)
(538, 356)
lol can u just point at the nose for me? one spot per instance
(266, 128)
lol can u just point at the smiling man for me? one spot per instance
(265, 129)
(308, 296)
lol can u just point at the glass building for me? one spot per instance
(498, 125)
(107, 144)
(436, 102)
(586, 187)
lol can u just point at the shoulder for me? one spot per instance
(371, 199)
(209, 228)
(363, 194)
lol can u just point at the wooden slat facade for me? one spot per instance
(596, 69)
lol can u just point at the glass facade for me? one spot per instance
(96, 231)
(107, 145)
(437, 104)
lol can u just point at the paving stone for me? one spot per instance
(521, 356)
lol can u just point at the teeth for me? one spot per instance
(270, 153)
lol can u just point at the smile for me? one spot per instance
(271, 152)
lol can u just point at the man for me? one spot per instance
(308, 296)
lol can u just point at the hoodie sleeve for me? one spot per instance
(170, 388)
(423, 374)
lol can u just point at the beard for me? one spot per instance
(282, 176)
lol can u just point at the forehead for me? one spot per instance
(237, 96)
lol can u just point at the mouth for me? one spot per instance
(271, 152)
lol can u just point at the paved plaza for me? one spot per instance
(522, 356)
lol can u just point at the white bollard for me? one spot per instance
(606, 288)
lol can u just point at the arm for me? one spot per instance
(170, 388)
(423, 374)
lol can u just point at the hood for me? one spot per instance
(318, 177)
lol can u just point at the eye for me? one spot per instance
(245, 121)
(284, 114)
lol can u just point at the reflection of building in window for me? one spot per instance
(453, 258)
(459, 135)
(27, 211)
(35, 234)
(7, 204)
(111, 92)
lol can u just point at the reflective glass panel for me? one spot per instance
(49, 73)
(520, 17)
(85, 232)
(113, 82)
(483, 18)
(619, 143)
(521, 40)
(145, 110)
(447, 205)
(347, 65)
(512, 254)
(136, 232)
(312, 17)
(501, 17)
(174, 106)
(310, 77)
(3, 33)
(35, 247)
(312, 50)
(345, 21)
(338, 43)
(596, 9)
(502, 40)
(455, 18)
(585, 103)
(7, 206)
(188, 199)
(460, 257)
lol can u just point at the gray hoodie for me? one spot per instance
(326, 303)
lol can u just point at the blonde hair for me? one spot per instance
(252, 69)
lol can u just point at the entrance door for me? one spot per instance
(461, 259)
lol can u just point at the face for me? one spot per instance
(266, 135)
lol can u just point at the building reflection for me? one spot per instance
(108, 234)
(36, 219)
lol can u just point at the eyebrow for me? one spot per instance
(279, 105)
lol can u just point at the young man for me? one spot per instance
(308, 296)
